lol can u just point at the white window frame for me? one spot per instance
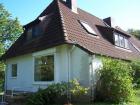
(124, 41)
(44, 53)
(88, 28)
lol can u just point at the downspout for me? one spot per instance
(5, 80)
(69, 69)
(92, 57)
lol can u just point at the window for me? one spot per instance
(37, 30)
(88, 27)
(29, 34)
(44, 68)
(126, 43)
(14, 70)
(116, 39)
(121, 41)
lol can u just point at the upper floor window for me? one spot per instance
(14, 70)
(121, 41)
(88, 28)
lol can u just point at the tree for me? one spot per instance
(134, 32)
(10, 30)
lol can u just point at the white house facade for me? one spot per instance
(70, 62)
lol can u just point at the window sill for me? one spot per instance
(128, 50)
(43, 83)
(13, 77)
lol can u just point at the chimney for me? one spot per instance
(72, 4)
(110, 21)
(107, 21)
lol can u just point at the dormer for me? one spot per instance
(37, 27)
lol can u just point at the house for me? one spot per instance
(64, 43)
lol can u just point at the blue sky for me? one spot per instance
(125, 13)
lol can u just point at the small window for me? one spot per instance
(29, 34)
(14, 70)
(37, 30)
(88, 28)
(126, 43)
(121, 41)
(44, 68)
(116, 39)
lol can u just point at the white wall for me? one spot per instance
(25, 77)
(79, 68)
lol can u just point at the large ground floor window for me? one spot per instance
(44, 68)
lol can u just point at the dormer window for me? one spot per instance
(88, 28)
(29, 34)
(121, 41)
(34, 31)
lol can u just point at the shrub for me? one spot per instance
(115, 84)
(136, 71)
(76, 89)
(56, 93)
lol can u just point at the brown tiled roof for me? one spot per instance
(53, 35)
(65, 28)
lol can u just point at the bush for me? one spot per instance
(56, 93)
(136, 72)
(76, 89)
(49, 95)
(115, 84)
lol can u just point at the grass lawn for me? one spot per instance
(137, 97)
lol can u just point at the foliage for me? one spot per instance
(47, 96)
(136, 71)
(76, 89)
(56, 93)
(10, 30)
(136, 33)
(115, 83)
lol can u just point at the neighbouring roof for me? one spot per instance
(64, 28)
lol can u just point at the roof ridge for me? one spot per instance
(62, 21)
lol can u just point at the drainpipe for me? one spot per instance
(5, 80)
(69, 69)
(92, 57)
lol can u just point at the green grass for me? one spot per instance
(137, 97)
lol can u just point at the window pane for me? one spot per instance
(116, 39)
(121, 40)
(126, 43)
(29, 34)
(44, 68)
(88, 28)
(14, 70)
(37, 30)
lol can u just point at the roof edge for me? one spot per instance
(62, 22)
